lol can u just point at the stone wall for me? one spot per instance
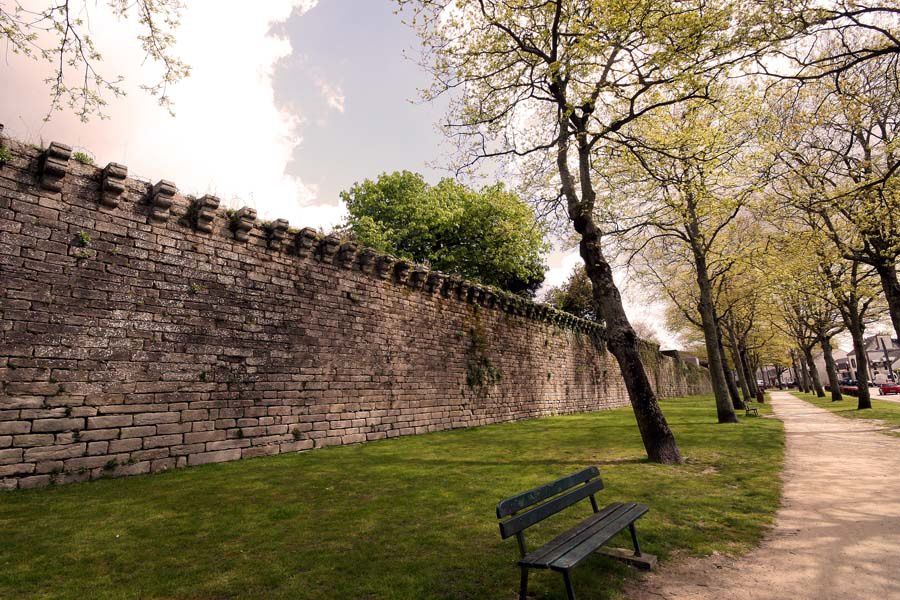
(144, 331)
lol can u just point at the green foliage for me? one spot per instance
(83, 239)
(5, 155)
(83, 157)
(575, 295)
(489, 235)
(404, 519)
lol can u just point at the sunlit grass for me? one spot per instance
(882, 410)
(409, 518)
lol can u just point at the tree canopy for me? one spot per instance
(488, 234)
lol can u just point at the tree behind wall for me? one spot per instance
(489, 235)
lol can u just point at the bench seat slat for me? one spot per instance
(561, 543)
(520, 502)
(551, 507)
(603, 534)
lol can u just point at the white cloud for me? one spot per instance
(332, 94)
(228, 136)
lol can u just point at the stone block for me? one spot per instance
(112, 185)
(162, 195)
(214, 457)
(54, 166)
(48, 425)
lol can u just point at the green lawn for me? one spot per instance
(406, 518)
(889, 412)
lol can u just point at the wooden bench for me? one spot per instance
(569, 549)
(750, 410)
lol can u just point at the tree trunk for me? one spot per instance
(623, 343)
(724, 407)
(887, 272)
(621, 339)
(798, 376)
(739, 366)
(862, 364)
(813, 372)
(831, 369)
(804, 370)
(729, 374)
(745, 363)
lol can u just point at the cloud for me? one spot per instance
(332, 95)
(229, 136)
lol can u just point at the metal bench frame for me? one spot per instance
(573, 546)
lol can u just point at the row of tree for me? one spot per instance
(739, 155)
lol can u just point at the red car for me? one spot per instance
(889, 388)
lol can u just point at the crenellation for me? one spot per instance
(347, 254)
(242, 223)
(276, 232)
(204, 212)
(54, 166)
(112, 184)
(161, 197)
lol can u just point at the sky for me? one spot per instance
(289, 102)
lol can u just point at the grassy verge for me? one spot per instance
(400, 519)
(882, 410)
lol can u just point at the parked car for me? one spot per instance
(889, 387)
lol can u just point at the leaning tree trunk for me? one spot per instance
(831, 369)
(623, 343)
(739, 366)
(621, 339)
(862, 364)
(745, 363)
(729, 374)
(813, 372)
(724, 407)
(887, 273)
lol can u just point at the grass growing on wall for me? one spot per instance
(408, 518)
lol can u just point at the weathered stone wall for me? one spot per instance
(143, 331)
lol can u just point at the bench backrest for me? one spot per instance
(532, 507)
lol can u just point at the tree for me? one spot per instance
(489, 235)
(684, 175)
(837, 147)
(575, 295)
(58, 33)
(545, 86)
(812, 40)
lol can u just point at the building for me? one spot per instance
(883, 353)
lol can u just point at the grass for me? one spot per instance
(882, 410)
(401, 519)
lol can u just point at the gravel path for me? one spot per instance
(837, 534)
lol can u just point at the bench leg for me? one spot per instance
(634, 540)
(523, 583)
(570, 591)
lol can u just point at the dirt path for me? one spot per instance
(837, 534)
